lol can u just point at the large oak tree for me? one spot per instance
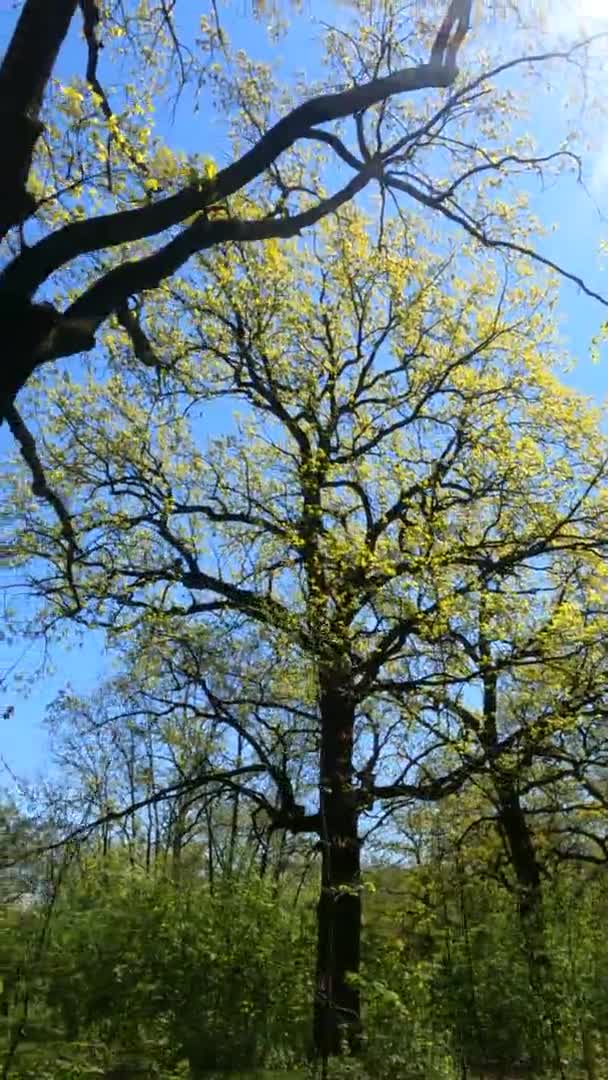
(406, 515)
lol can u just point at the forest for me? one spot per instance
(303, 540)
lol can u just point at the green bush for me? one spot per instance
(220, 978)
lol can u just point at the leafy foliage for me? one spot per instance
(368, 608)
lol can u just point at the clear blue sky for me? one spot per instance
(23, 748)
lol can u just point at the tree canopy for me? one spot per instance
(317, 482)
(91, 181)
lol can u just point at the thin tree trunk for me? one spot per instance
(177, 843)
(234, 817)
(263, 849)
(589, 1051)
(337, 1019)
(210, 843)
(148, 842)
(24, 74)
(519, 842)
(521, 847)
(281, 862)
(151, 784)
(130, 758)
(281, 857)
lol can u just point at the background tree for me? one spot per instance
(173, 759)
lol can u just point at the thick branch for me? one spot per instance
(90, 20)
(142, 347)
(32, 267)
(75, 329)
(263, 609)
(24, 74)
(446, 45)
(297, 823)
(130, 278)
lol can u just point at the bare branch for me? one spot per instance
(90, 19)
(113, 289)
(498, 243)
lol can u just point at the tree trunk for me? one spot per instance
(178, 827)
(520, 842)
(589, 1051)
(210, 847)
(24, 74)
(234, 816)
(337, 1020)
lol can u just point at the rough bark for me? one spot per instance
(337, 1005)
(511, 817)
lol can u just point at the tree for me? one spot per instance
(404, 446)
(446, 923)
(162, 763)
(543, 678)
(21, 876)
(98, 186)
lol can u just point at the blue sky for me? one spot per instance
(23, 746)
